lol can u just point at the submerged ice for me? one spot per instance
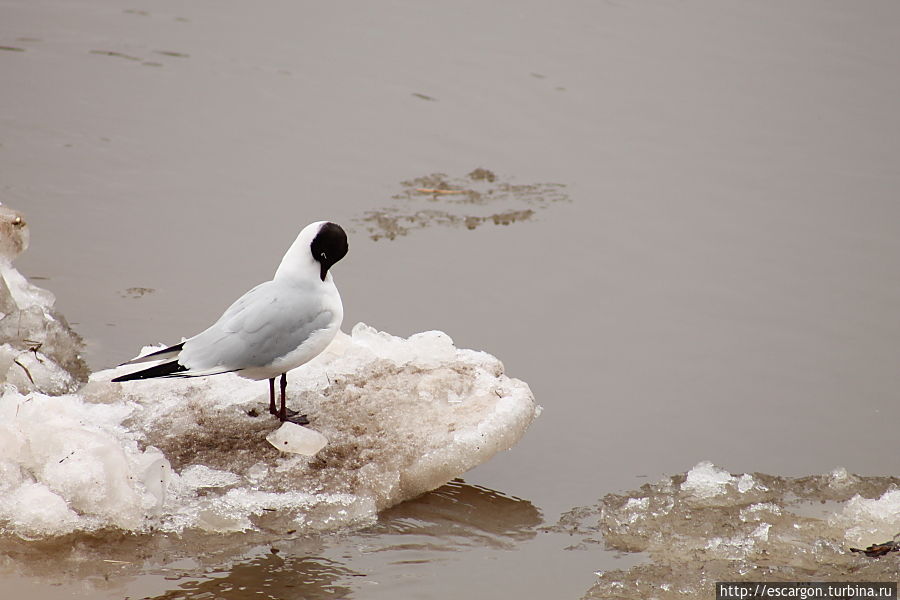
(390, 418)
(708, 525)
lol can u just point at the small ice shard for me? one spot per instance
(762, 532)
(745, 483)
(706, 480)
(840, 478)
(155, 475)
(296, 439)
(871, 521)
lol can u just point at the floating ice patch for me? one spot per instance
(401, 417)
(707, 526)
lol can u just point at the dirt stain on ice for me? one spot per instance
(479, 198)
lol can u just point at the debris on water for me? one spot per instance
(115, 54)
(480, 174)
(878, 550)
(436, 191)
(470, 201)
(136, 292)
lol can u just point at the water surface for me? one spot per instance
(721, 284)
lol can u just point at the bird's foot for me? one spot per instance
(297, 419)
(293, 416)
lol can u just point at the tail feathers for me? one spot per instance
(169, 369)
(164, 354)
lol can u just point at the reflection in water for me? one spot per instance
(269, 576)
(451, 531)
(455, 517)
(188, 565)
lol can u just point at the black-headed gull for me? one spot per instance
(275, 327)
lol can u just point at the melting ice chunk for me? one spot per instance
(708, 525)
(705, 480)
(296, 439)
(401, 417)
(871, 521)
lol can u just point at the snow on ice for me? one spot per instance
(400, 417)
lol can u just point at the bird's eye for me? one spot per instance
(323, 255)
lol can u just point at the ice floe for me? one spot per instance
(400, 416)
(708, 525)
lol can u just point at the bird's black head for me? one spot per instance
(329, 246)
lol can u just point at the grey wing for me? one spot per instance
(264, 324)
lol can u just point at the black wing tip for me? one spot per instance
(176, 347)
(169, 369)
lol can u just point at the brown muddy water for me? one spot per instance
(688, 244)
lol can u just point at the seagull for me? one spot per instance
(275, 327)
